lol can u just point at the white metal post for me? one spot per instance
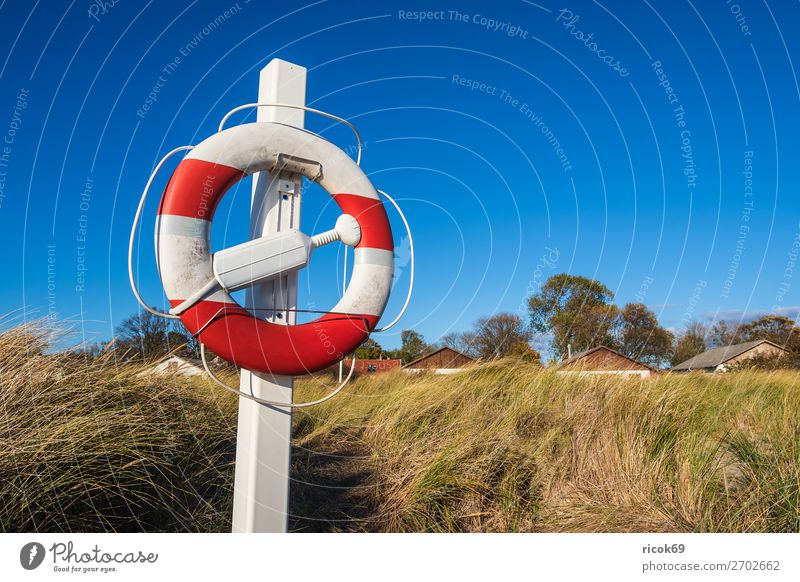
(263, 445)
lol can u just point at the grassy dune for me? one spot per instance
(509, 448)
(89, 445)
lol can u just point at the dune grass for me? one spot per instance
(507, 447)
(95, 445)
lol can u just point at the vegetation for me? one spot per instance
(690, 343)
(412, 346)
(513, 448)
(641, 337)
(497, 336)
(778, 329)
(146, 337)
(775, 328)
(572, 311)
(577, 313)
(92, 444)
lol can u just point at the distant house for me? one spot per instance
(372, 366)
(720, 359)
(445, 360)
(176, 365)
(603, 360)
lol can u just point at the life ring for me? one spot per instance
(184, 258)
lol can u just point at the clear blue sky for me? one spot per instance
(521, 141)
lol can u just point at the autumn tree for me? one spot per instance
(496, 336)
(576, 310)
(597, 325)
(523, 351)
(778, 329)
(641, 337)
(412, 346)
(775, 328)
(691, 342)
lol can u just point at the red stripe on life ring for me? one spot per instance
(376, 233)
(272, 348)
(196, 187)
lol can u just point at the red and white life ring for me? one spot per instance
(183, 251)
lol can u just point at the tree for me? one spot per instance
(94, 349)
(641, 336)
(576, 310)
(143, 335)
(412, 345)
(690, 343)
(461, 341)
(775, 328)
(523, 351)
(723, 334)
(369, 350)
(146, 336)
(182, 342)
(596, 325)
(495, 336)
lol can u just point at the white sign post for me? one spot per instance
(263, 445)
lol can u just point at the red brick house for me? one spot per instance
(371, 366)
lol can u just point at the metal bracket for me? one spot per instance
(286, 187)
(297, 165)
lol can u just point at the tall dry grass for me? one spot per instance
(507, 447)
(93, 445)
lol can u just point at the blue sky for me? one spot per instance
(651, 145)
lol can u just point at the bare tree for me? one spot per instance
(496, 336)
(462, 341)
(147, 337)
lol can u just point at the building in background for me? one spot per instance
(371, 366)
(445, 360)
(604, 360)
(177, 366)
(720, 359)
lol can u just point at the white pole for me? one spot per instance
(344, 286)
(263, 445)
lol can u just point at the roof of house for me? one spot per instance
(715, 357)
(434, 352)
(590, 351)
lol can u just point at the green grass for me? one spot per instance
(94, 445)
